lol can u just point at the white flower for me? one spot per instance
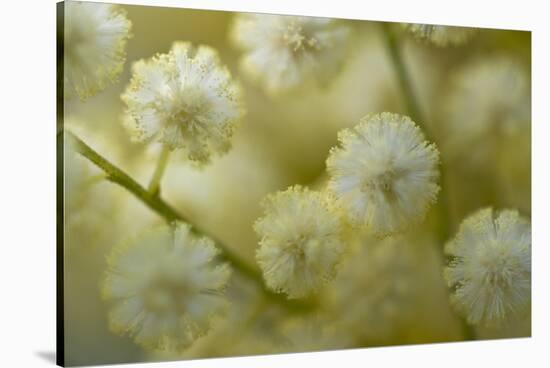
(284, 52)
(301, 241)
(491, 266)
(384, 173)
(94, 42)
(185, 99)
(166, 287)
(441, 35)
(488, 97)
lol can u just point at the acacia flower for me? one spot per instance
(384, 173)
(301, 241)
(94, 46)
(491, 266)
(283, 52)
(441, 35)
(185, 99)
(166, 287)
(488, 97)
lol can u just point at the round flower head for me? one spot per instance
(441, 35)
(301, 241)
(384, 173)
(488, 97)
(166, 287)
(95, 38)
(283, 52)
(491, 266)
(184, 99)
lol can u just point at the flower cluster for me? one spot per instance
(441, 35)
(184, 99)
(284, 52)
(384, 174)
(94, 46)
(166, 287)
(491, 265)
(301, 241)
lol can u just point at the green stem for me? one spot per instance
(415, 113)
(163, 209)
(404, 80)
(154, 184)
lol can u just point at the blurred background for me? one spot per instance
(384, 294)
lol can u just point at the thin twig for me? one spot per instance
(154, 184)
(158, 205)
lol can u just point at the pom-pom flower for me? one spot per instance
(301, 241)
(384, 173)
(94, 46)
(491, 266)
(283, 52)
(166, 287)
(441, 35)
(184, 99)
(488, 97)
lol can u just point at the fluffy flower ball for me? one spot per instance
(488, 97)
(184, 99)
(94, 46)
(441, 35)
(283, 52)
(301, 241)
(166, 287)
(384, 173)
(491, 266)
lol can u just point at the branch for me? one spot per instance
(163, 209)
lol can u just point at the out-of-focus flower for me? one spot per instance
(185, 99)
(491, 266)
(301, 241)
(94, 46)
(441, 35)
(384, 173)
(166, 287)
(377, 276)
(284, 52)
(489, 97)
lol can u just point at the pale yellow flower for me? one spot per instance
(301, 241)
(94, 46)
(185, 99)
(491, 266)
(384, 173)
(441, 35)
(166, 287)
(488, 98)
(282, 52)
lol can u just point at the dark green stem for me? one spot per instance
(163, 209)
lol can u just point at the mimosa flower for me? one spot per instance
(184, 99)
(301, 241)
(384, 173)
(284, 52)
(491, 266)
(441, 35)
(488, 97)
(94, 46)
(166, 287)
